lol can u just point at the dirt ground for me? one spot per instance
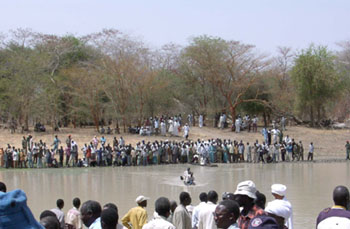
(329, 144)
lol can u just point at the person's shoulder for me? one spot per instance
(332, 212)
(333, 216)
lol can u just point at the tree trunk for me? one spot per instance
(312, 116)
(319, 114)
(96, 119)
(26, 123)
(233, 113)
(194, 118)
(265, 119)
(124, 124)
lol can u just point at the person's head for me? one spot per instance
(245, 194)
(109, 218)
(185, 198)
(162, 206)
(60, 203)
(76, 202)
(90, 211)
(278, 191)
(142, 201)
(2, 187)
(50, 222)
(47, 213)
(113, 206)
(228, 196)
(341, 196)
(260, 200)
(226, 213)
(173, 205)
(203, 197)
(213, 196)
(279, 210)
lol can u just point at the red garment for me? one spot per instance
(244, 221)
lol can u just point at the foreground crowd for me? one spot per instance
(245, 208)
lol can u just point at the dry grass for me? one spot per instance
(328, 143)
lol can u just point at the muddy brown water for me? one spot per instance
(310, 185)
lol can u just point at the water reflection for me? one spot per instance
(310, 185)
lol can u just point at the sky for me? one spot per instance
(266, 24)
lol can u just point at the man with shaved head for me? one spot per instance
(337, 216)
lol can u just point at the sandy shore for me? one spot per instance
(329, 144)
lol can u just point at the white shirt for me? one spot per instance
(158, 222)
(289, 222)
(311, 148)
(206, 217)
(73, 218)
(60, 216)
(195, 214)
(96, 224)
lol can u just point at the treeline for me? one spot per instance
(112, 77)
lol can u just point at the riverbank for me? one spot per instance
(329, 144)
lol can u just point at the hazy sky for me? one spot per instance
(264, 23)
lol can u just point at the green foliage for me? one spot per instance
(316, 79)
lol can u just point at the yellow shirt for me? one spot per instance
(136, 216)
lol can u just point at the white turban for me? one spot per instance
(280, 208)
(279, 189)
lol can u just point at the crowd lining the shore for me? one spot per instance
(98, 152)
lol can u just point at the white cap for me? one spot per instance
(246, 188)
(279, 189)
(280, 208)
(140, 199)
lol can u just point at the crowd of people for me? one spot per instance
(274, 147)
(245, 208)
(99, 152)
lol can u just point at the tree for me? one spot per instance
(223, 70)
(316, 80)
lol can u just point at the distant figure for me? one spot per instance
(59, 213)
(162, 208)
(200, 121)
(337, 216)
(347, 147)
(137, 216)
(186, 130)
(188, 177)
(311, 152)
(283, 123)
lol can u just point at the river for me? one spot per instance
(310, 185)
